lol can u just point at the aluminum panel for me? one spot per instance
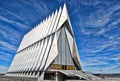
(22, 61)
(53, 52)
(58, 57)
(46, 27)
(30, 57)
(36, 34)
(63, 17)
(46, 52)
(49, 26)
(42, 30)
(27, 58)
(52, 23)
(70, 41)
(39, 53)
(12, 64)
(57, 20)
(43, 51)
(62, 45)
(36, 57)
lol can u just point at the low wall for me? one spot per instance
(93, 80)
(4, 78)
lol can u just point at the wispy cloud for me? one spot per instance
(101, 16)
(13, 22)
(97, 16)
(7, 46)
(3, 69)
(94, 62)
(109, 27)
(39, 5)
(98, 46)
(6, 57)
(10, 34)
(12, 13)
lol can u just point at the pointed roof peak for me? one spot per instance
(64, 9)
(64, 6)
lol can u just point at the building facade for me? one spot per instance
(49, 51)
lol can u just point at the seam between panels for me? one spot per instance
(40, 68)
(49, 51)
(69, 46)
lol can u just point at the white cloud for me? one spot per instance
(109, 27)
(115, 57)
(8, 46)
(3, 69)
(112, 67)
(100, 17)
(84, 31)
(5, 56)
(13, 22)
(10, 34)
(93, 61)
(97, 18)
(12, 13)
(100, 46)
(115, 23)
(41, 6)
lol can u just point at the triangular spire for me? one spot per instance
(64, 7)
(63, 17)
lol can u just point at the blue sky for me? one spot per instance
(96, 25)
